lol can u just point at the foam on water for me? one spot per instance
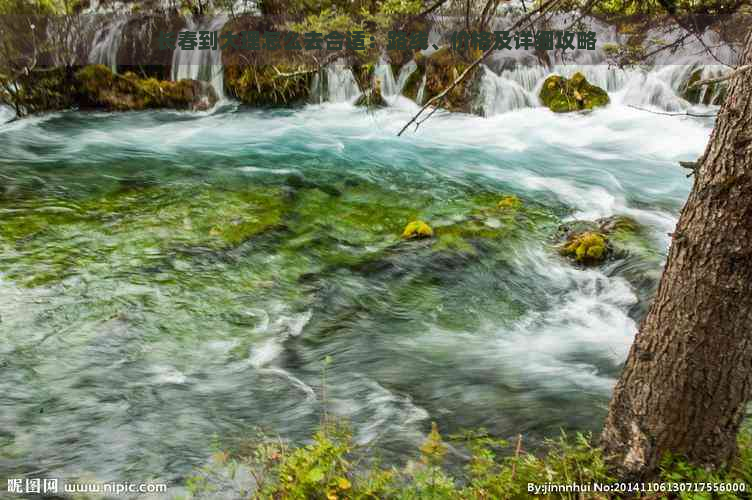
(6, 114)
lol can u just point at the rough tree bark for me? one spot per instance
(688, 375)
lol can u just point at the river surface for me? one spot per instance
(170, 279)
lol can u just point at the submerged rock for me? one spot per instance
(417, 229)
(587, 248)
(592, 242)
(562, 95)
(510, 201)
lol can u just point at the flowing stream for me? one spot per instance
(169, 277)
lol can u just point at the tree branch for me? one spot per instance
(543, 8)
(686, 113)
(728, 76)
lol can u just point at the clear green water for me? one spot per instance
(166, 277)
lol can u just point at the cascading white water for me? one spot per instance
(499, 94)
(341, 84)
(205, 65)
(107, 42)
(405, 72)
(660, 87)
(421, 90)
(382, 75)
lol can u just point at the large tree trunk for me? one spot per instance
(688, 376)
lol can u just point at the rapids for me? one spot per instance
(169, 277)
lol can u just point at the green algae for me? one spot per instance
(130, 228)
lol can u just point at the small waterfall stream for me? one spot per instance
(107, 42)
(405, 72)
(421, 91)
(205, 65)
(383, 75)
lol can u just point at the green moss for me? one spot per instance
(412, 84)
(262, 85)
(509, 202)
(372, 97)
(441, 69)
(562, 95)
(586, 248)
(98, 87)
(417, 229)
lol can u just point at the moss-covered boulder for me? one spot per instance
(99, 87)
(562, 95)
(441, 69)
(372, 97)
(589, 247)
(269, 85)
(417, 229)
(615, 237)
(413, 83)
(710, 94)
(41, 91)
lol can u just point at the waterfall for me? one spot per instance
(650, 89)
(499, 94)
(421, 91)
(107, 42)
(341, 84)
(205, 65)
(660, 86)
(382, 75)
(405, 72)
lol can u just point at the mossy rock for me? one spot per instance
(262, 85)
(562, 95)
(372, 97)
(412, 84)
(587, 248)
(441, 69)
(509, 202)
(100, 88)
(710, 94)
(623, 238)
(417, 229)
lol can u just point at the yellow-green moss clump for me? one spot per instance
(417, 229)
(588, 248)
(100, 88)
(509, 201)
(562, 95)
